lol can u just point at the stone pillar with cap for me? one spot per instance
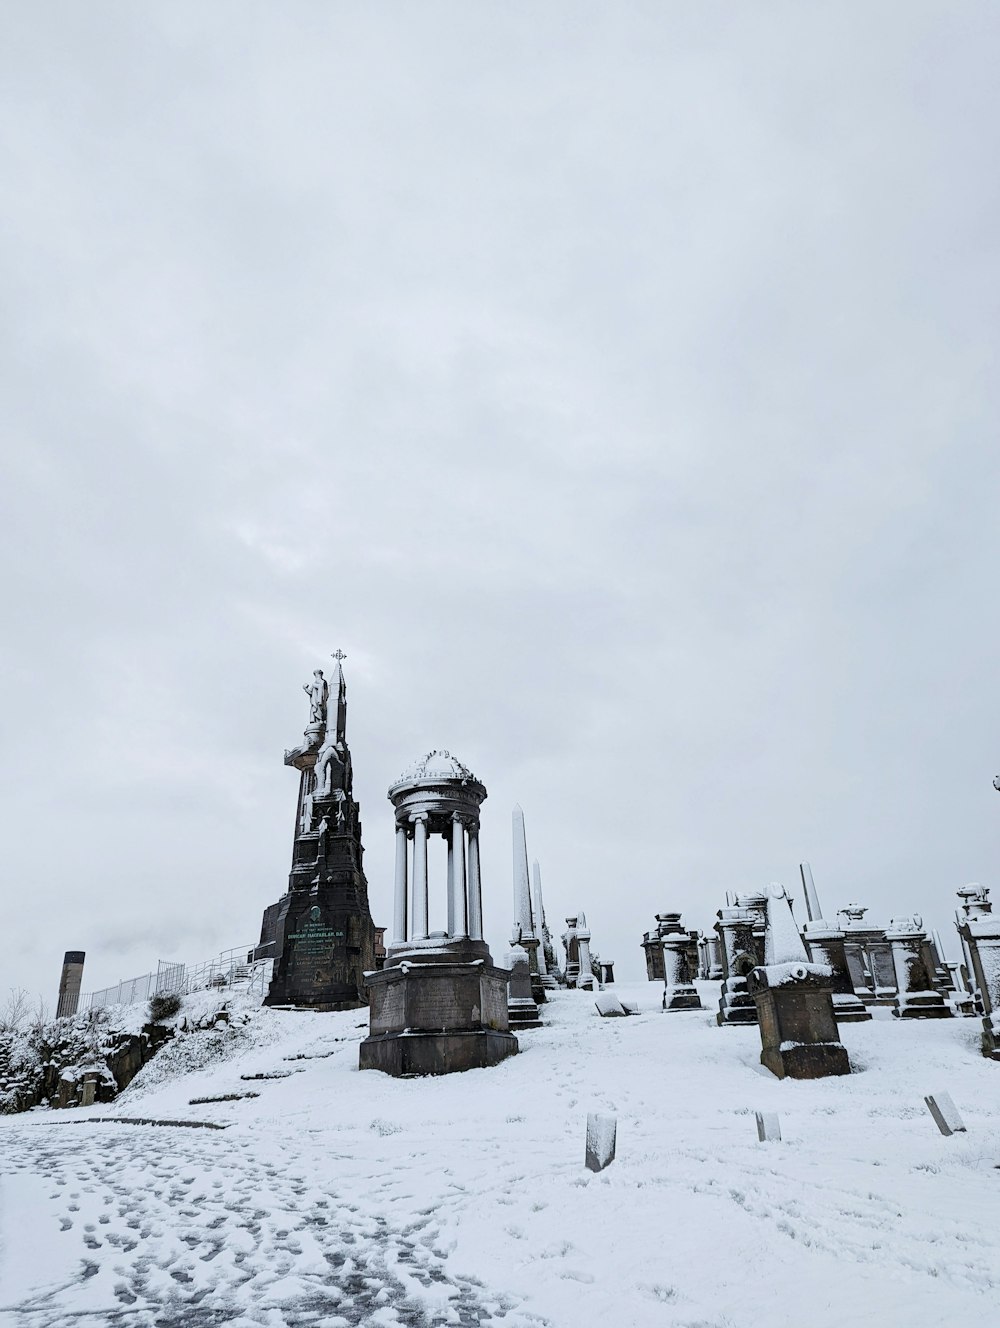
(679, 991)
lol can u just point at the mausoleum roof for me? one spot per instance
(434, 766)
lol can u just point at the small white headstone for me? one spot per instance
(945, 1113)
(630, 1007)
(601, 1135)
(768, 1127)
(608, 1005)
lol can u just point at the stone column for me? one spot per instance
(458, 905)
(825, 943)
(679, 991)
(418, 921)
(715, 970)
(915, 995)
(475, 887)
(736, 934)
(399, 910)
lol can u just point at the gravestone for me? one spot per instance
(916, 996)
(981, 939)
(794, 1000)
(609, 1006)
(320, 934)
(522, 1011)
(945, 1113)
(679, 991)
(741, 938)
(768, 1127)
(601, 1139)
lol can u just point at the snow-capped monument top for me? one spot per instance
(436, 767)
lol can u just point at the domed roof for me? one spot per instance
(434, 767)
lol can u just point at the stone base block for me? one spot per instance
(848, 1010)
(922, 1005)
(682, 1000)
(402, 1054)
(812, 1060)
(523, 1014)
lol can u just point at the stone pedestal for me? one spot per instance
(916, 997)
(522, 1011)
(826, 946)
(981, 938)
(736, 935)
(798, 1028)
(679, 991)
(438, 1012)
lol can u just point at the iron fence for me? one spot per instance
(230, 970)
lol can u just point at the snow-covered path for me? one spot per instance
(339, 1197)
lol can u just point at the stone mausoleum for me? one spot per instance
(320, 933)
(439, 1004)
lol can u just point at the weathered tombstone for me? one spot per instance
(585, 972)
(608, 1005)
(572, 948)
(601, 1137)
(607, 967)
(654, 954)
(981, 939)
(320, 934)
(794, 1001)
(679, 991)
(916, 997)
(736, 928)
(439, 1004)
(945, 1113)
(552, 975)
(88, 1090)
(825, 943)
(869, 957)
(768, 1127)
(521, 1008)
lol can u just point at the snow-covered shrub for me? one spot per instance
(164, 1005)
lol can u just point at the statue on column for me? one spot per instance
(318, 690)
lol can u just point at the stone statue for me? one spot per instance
(330, 769)
(318, 690)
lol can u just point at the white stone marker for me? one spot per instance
(608, 1005)
(768, 1127)
(601, 1135)
(945, 1113)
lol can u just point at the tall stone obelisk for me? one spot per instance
(523, 914)
(321, 933)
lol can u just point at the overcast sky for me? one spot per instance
(616, 384)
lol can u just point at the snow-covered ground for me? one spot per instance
(338, 1197)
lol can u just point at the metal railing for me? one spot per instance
(230, 970)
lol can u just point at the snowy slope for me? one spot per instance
(339, 1197)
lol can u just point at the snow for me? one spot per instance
(787, 975)
(342, 1197)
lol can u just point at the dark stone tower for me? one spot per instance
(320, 934)
(69, 984)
